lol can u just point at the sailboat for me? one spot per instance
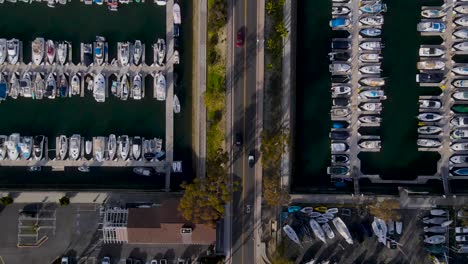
(291, 234)
(112, 146)
(317, 229)
(342, 229)
(380, 230)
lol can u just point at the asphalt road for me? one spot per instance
(244, 119)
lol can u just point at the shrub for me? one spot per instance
(7, 200)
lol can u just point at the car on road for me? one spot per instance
(247, 208)
(65, 260)
(251, 160)
(238, 139)
(105, 260)
(154, 261)
(240, 38)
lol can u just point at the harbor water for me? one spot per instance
(76, 22)
(399, 158)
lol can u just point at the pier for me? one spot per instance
(170, 91)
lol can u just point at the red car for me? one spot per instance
(240, 38)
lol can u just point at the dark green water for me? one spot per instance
(77, 23)
(399, 158)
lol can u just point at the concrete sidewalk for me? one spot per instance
(53, 197)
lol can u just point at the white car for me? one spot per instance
(154, 261)
(65, 260)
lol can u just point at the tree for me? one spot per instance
(280, 28)
(273, 144)
(388, 209)
(64, 201)
(273, 192)
(7, 200)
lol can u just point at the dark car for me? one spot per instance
(429, 77)
(240, 38)
(339, 135)
(238, 139)
(339, 56)
(340, 44)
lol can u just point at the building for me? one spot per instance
(162, 224)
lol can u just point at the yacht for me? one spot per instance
(459, 121)
(459, 146)
(371, 32)
(462, 21)
(100, 50)
(160, 52)
(12, 146)
(371, 45)
(339, 22)
(461, 9)
(112, 146)
(431, 52)
(428, 143)
(371, 107)
(62, 147)
(176, 104)
(25, 147)
(340, 10)
(376, 20)
(461, 83)
(438, 27)
(38, 47)
(433, 13)
(342, 229)
(430, 104)
(461, 33)
(340, 112)
(373, 94)
(75, 84)
(370, 144)
(75, 147)
(317, 229)
(429, 117)
(51, 87)
(160, 83)
(124, 147)
(38, 147)
(39, 86)
(431, 65)
(3, 147)
(137, 52)
(461, 70)
(136, 148)
(341, 90)
(136, 87)
(370, 57)
(25, 85)
(459, 133)
(376, 7)
(462, 46)
(429, 130)
(3, 88)
(370, 119)
(176, 57)
(176, 14)
(124, 53)
(14, 86)
(50, 50)
(124, 87)
(13, 50)
(3, 50)
(99, 146)
(380, 230)
(459, 159)
(62, 52)
(88, 147)
(370, 69)
(339, 68)
(460, 96)
(373, 81)
(99, 87)
(62, 86)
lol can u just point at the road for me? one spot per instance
(244, 123)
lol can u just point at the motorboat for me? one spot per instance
(13, 51)
(62, 85)
(100, 50)
(431, 52)
(461, 9)
(136, 87)
(176, 57)
(160, 52)
(429, 130)
(83, 168)
(37, 50)
(317, 229)
(340, 10)
(371, 32)
(461, 33)
(438, 212)
(390, 227)
(143, 171)
(342, 229)
(75, 84)
(376, 7)
(25, 147)
(51, 3)
(369, 119)
(376, 20)
(428, 143)
(461, 70)
(314, 214)
(435, 229)
(328, 231)
(307, 210)
(438, 27)
(14, 86)
(373, 94)
(463, 96)
(380, 229)
(291, 234)
(434, 220)
(160, 83)
(62, 52)
(430, 104)
(124, 147)
(461, 238)
(461, 171)
(12, 146)
(3, 50)
(112, 146)
(136, 148)
(124, 87)
(75, 147)
(3, 147)
(461, 230)
(113, 5)
(459, 146)
(337, 170)
(50, 51)
(373, 81)
(462, 21)
(371, 106)
(339, 68)
(340, 22)
(176, 103)
(459, 159)
(137, 52)
(87, 50)
(429, 77)
(429, 117)
(62, 147)
(339, 147)
(435, 240)
(332, 211)
(399, 227)
(463, 83)
(38, 147)
(328, 216)
(433, 13)
(460, 108)
(371, 45)
(339, 56)
(370, 57)
(25, 85)
(321, 220)
(431, 65)
(88, 147)
(340, 44)
(462, 46)
(99, 87)
(99, 148)
(51, 86)
(38, 86)
(370, 69)
(341, 90)
(123, 48)
(370, 144)
(340, 112)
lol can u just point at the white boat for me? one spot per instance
(371, 32)
(460, 83)
(461, 230)
(160, 83)
(51, 3)
(376, 20)
(461, 21)
(176, 57)
(459, 159)
(317, 229)
(461, 238)
(75, 147)
(99, 148)
(461, 33)
(431, 65)
(328, 216)
(461, 9)
(373, 7)
(88, 147)
(429, 130)
(433, 13)
(25, 85)
(370, 69)
(99, 86)
(176, 103)
(124, 147)
(339, 68)
(462, 46)
(370, 119)
(39, 86)
(430, 104)
(112, 146)
(431, 52)
(160, 2)
(137, 52)
(51, 86)
(321, 220)
(143, 171)
(371, 107)
(340, 10)
(340, 112)
(37, 50)
(176, 14)
(136, 87)
(459, 133)
(462, 213)
(371, 45)
(12, 146)
(3, 147)
(307, 210)
(435, 240)
(160, 52)
(13, 51)
(50, 51)
(291, 234)
(438, 27)
(62, 52)
(38, 147)
(3, 50)
(75, 84)
(136, 148)
(434, 220)
(373, 81)
(460, 96)
(370, 57)
(124, 87)
(123, 48)
(459, 121)
(380, 230)
(370, 144)
(461, 70)
(341, 90)
(62, 147)
(428, 143)
(315, 214)
(429, 117)
(328, 231)
(342, 230)
(459, 146)
(25, 147)
(373, 94)
(435, 229)
(399, 227)
(100, 50)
